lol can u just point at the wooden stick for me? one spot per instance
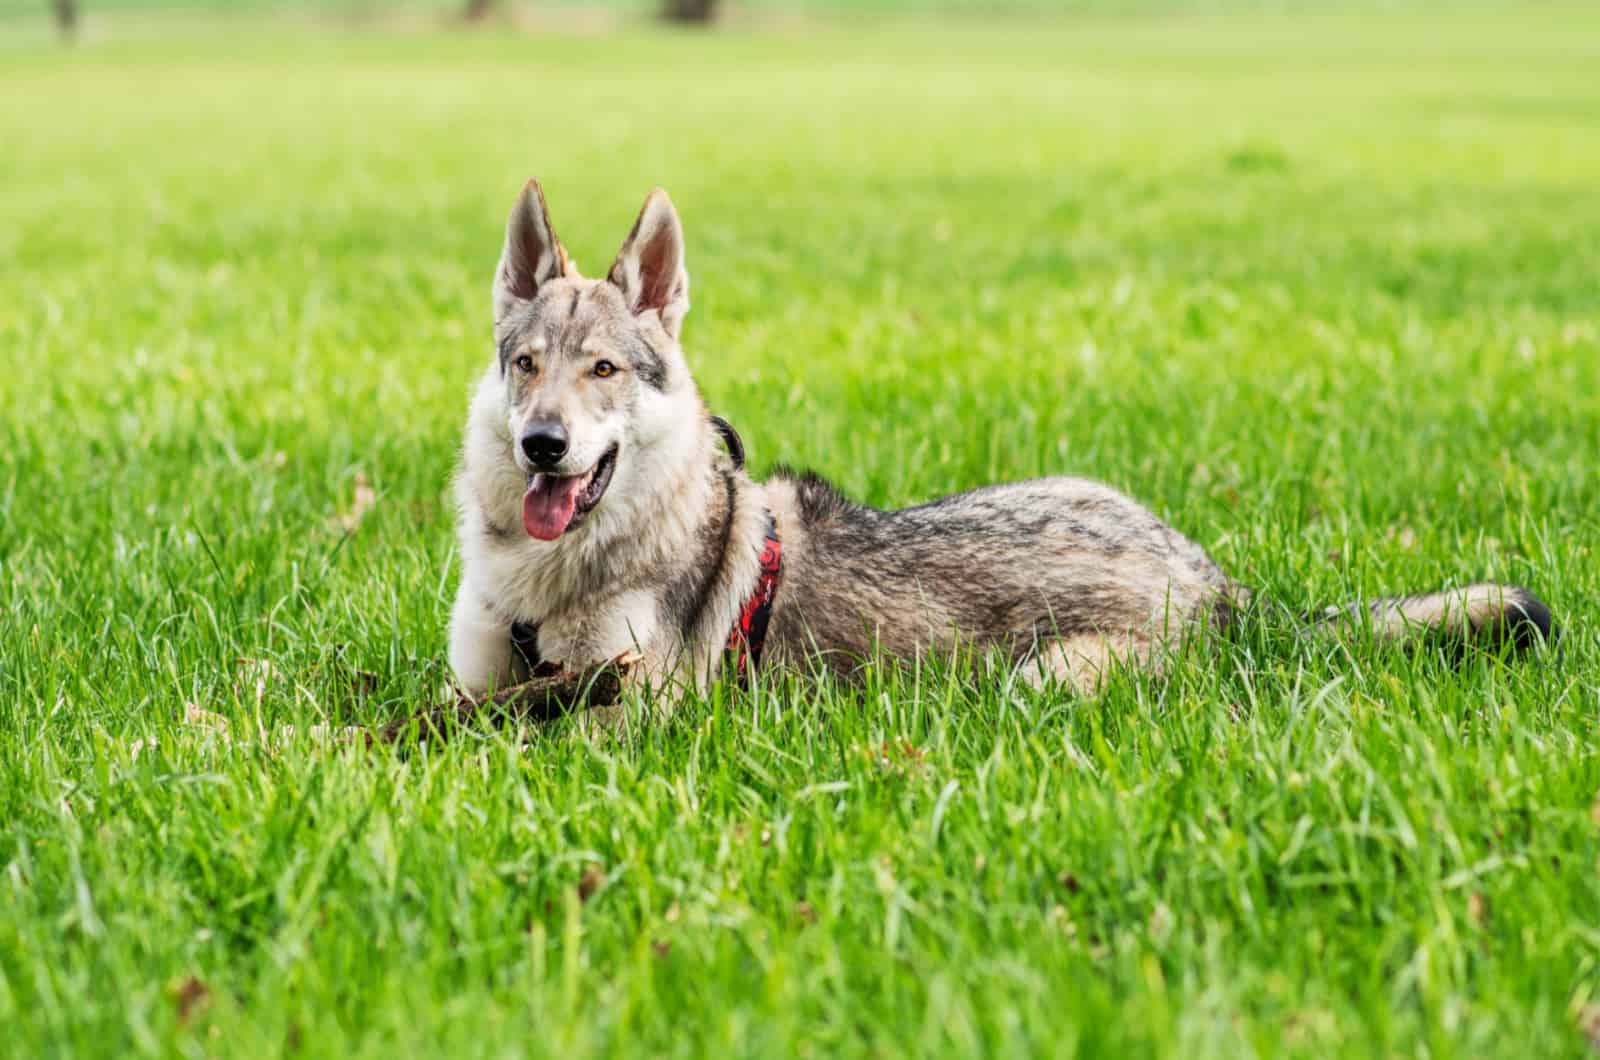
(551, 692)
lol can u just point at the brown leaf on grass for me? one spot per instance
(1477, 907)
(590, 882)
(259, 672)
(1589, 1024)
(1061, 920)
(360, 504)
(191, 996)
(1403, 536)
(199, 718)
(1160, 922)
(896, 758)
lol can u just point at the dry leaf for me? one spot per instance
(590, 882)
(1589, 1024)
(191, 997)
(1403, 536)
(204, 719)
(260, 671)
(1160, 922)
(359, 506)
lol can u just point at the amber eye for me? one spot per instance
(524, 363)
(605, 369)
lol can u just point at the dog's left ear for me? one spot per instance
(649, 267)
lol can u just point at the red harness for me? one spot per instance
(749, 633)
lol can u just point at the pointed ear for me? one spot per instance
(649, 267)
(533, 256)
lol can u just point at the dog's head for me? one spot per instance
(592, 371)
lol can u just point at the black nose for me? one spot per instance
(544, 442)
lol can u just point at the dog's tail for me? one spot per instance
(1491, 617)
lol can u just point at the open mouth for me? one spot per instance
(555, 504)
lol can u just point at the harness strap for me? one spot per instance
(525, 642)
(731, 439)
(749, 633)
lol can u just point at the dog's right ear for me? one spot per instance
(533, 256)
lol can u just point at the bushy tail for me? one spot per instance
(1492, 617)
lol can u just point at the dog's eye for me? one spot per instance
(524, 363)
(605, 369)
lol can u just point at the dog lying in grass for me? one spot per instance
(605, 514)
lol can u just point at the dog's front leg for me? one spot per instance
(481, 654)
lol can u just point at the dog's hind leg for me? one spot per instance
(1083, 661)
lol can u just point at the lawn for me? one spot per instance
(1323, 290)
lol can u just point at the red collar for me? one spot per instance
(749, 633)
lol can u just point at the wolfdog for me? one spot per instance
(604, 512)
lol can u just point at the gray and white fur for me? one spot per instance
(597, 504)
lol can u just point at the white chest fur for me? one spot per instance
(626, 622)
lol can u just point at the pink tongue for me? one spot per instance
(548, 505)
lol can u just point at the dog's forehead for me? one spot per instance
(565, 311)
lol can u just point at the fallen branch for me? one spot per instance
(551, 692)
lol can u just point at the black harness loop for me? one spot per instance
(731, 439)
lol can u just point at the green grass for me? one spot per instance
(1323, 291)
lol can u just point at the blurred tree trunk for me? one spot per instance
(477, 9)
(66, 16)
(689, 10)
